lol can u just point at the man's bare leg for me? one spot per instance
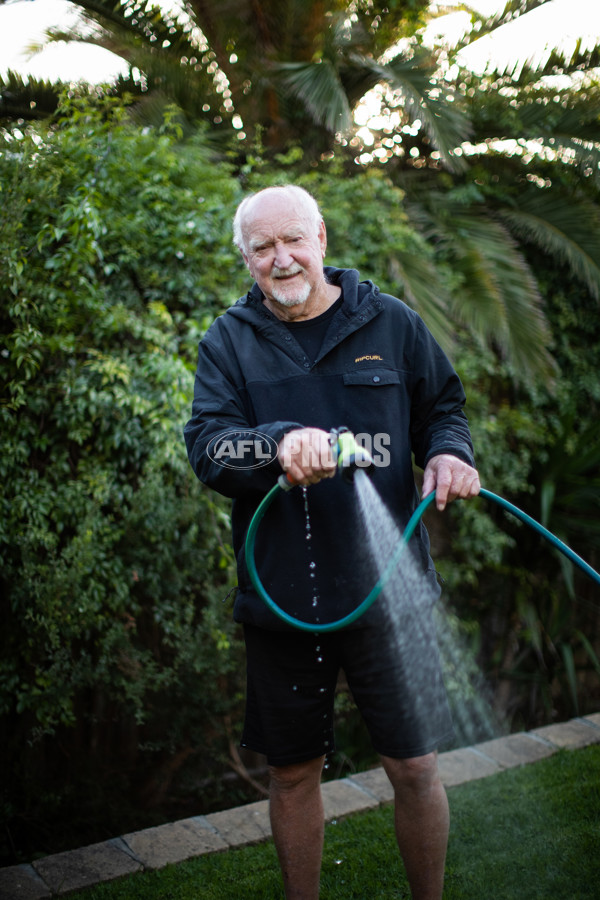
(296, 810)
(422, 822)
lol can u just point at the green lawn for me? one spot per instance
(530, 833)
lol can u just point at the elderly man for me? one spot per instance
(307, 349)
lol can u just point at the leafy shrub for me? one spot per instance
(114, 559)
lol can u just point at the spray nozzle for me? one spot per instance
(349, 454)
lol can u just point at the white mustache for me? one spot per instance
(285, 273)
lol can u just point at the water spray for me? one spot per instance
(351, 456)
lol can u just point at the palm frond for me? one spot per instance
(540, 60)
(486, 24)
(499, 299)
(561, 111)
(319, 88)
(581, 58)
(424, 290)
(570, 480)
(163, 50)
(561, 226)
(568, 123)
(28, 98)
(149, 29)
(109, 11)
(443, 119)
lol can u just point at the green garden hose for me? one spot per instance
(394, 559)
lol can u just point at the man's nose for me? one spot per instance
(283, 258)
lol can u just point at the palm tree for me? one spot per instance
(288, 68)
(532, 178)
(293, 71)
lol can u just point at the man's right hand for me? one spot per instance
(306, 456)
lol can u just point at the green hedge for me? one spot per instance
(114, 560)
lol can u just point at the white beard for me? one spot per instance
(290, 295)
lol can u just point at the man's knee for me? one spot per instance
(419, 773)
(299, 775)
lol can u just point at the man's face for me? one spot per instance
(284, 250)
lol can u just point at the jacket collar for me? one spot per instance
(356, 294)
(361, 303)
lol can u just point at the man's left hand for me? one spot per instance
(450, 478)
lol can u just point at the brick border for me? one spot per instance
(153, 848)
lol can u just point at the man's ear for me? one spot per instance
(323, 238)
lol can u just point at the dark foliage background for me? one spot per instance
(121, 672)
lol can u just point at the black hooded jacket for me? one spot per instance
(379, 373)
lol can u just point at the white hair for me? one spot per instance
(297, 196)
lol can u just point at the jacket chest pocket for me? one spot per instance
(373, 378)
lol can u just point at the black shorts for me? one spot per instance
(291, 684)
